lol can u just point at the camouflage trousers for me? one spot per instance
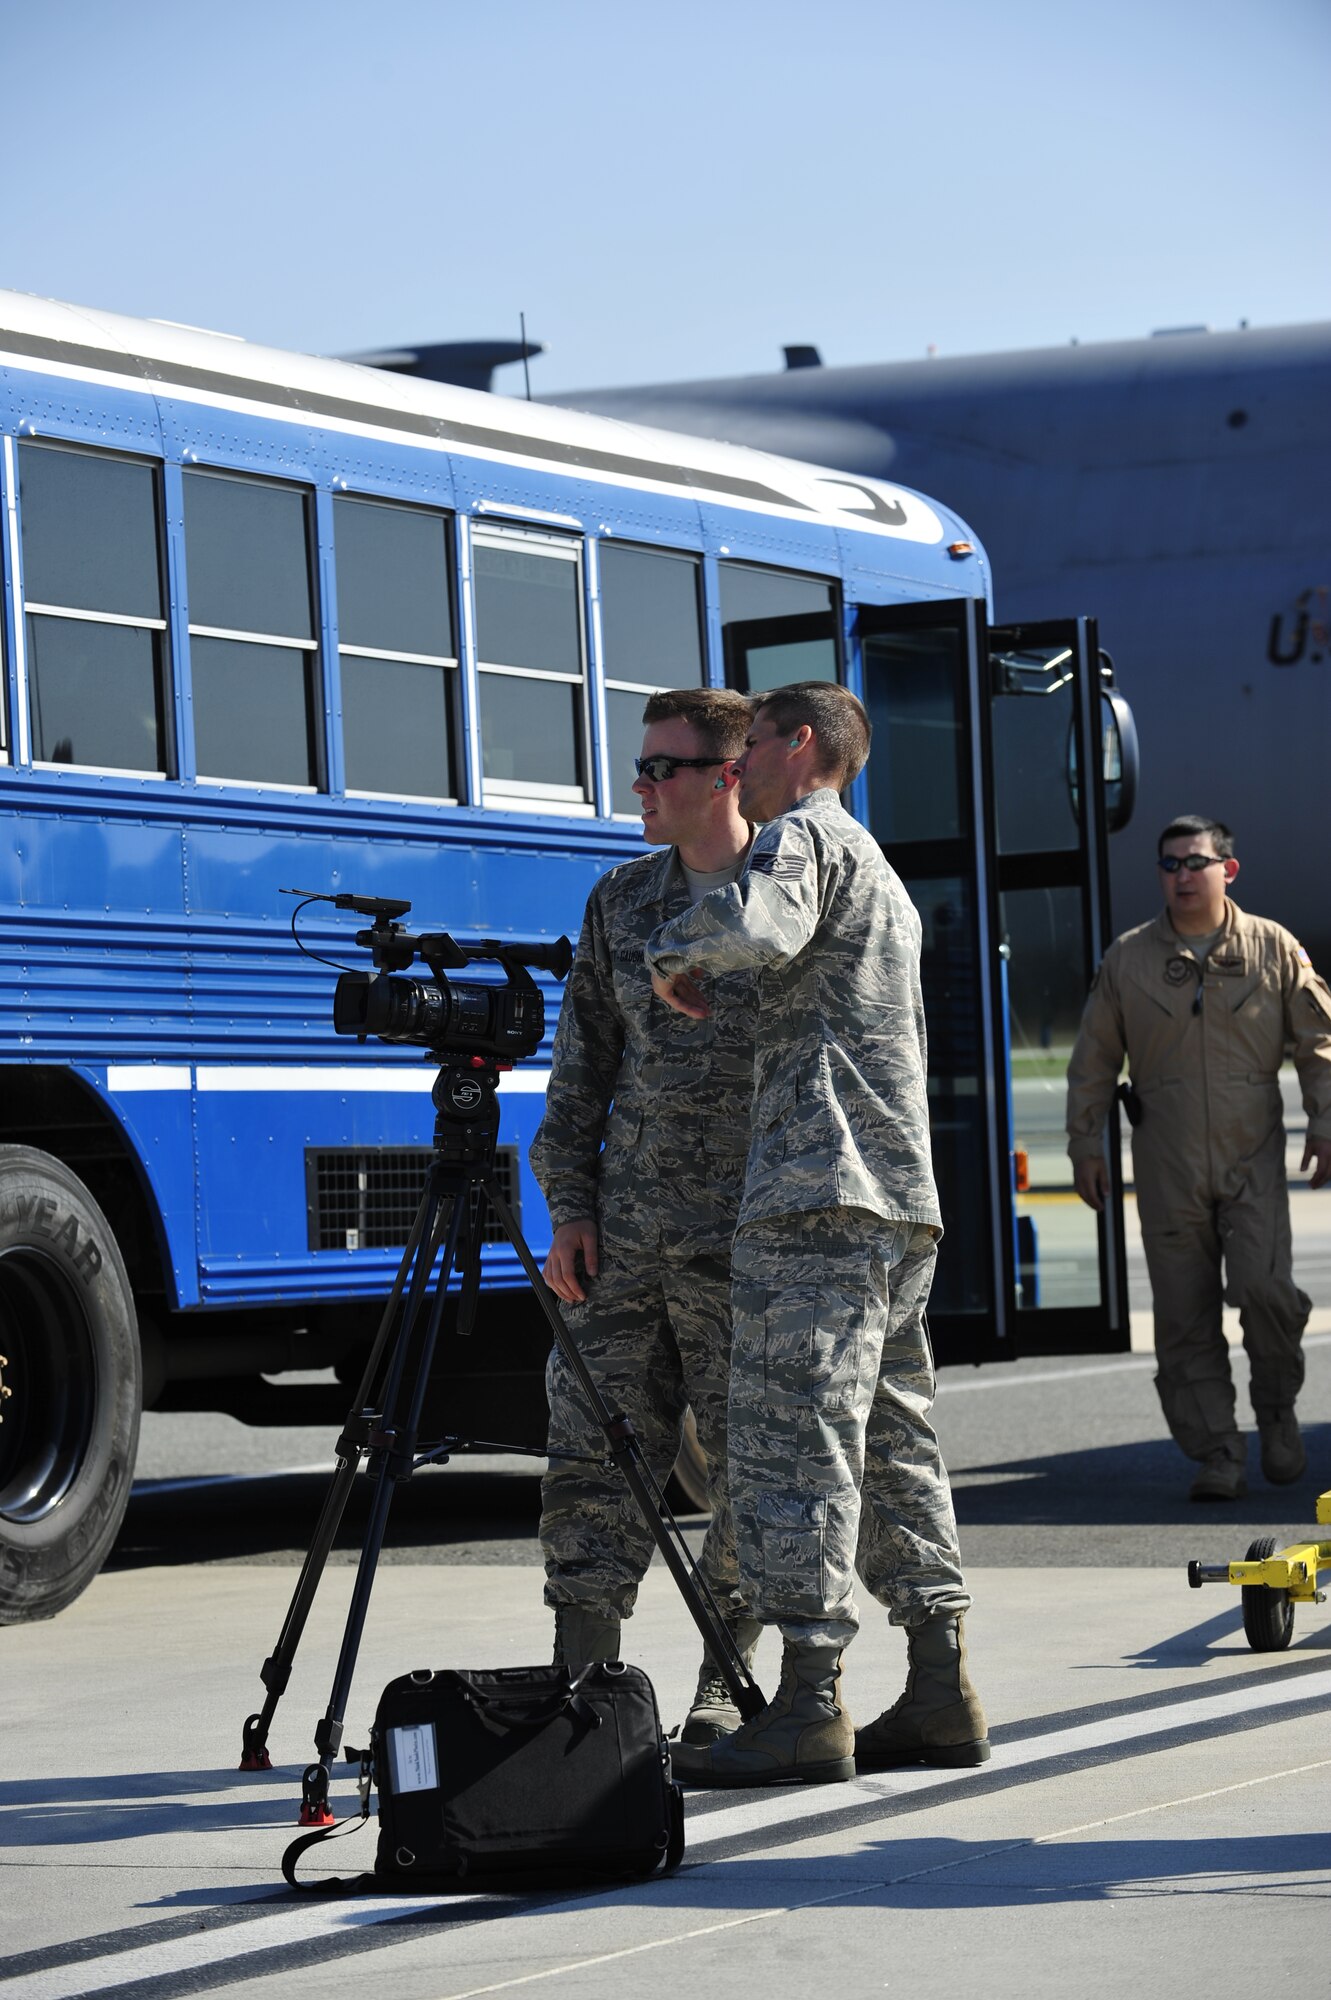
(833, 1462)
(655, 1334)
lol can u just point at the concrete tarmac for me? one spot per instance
(1156, 1814)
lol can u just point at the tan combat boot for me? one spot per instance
(938, 1720)
(713, 1713)
(1284, 1458)
(803, 1736)
(583, 1633)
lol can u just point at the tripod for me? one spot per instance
(459, 1183)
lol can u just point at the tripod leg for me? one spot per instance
(276, 1670)
(627, 1454)
(395, 1451)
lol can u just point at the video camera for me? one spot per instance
(450, 1018)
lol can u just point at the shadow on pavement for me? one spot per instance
(273, 1519)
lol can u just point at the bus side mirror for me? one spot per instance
(1122, 760)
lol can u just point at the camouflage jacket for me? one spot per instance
(668, 1096)
(840, 1114)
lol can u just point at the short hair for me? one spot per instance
(720, 716)
(1188, 824)
(837, 719)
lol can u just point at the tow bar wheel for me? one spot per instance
(1268, 1615)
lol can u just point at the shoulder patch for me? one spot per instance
(1302, 956)
(783, 867)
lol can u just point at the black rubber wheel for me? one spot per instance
(687, 1491)
(1268, 1615)
(69, 1426)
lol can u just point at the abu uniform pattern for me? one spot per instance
(670, 1098)
(831, 1377)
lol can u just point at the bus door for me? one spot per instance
(1052, 717)
(972, 793)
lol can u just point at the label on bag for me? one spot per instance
(413, 1762)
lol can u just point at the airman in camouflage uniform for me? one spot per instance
(831, 1451)
(652, 1215)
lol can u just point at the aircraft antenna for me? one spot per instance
(526, 372)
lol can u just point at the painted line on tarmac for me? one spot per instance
(786, 1807)
(845, 1894)
(251, 1936)
(1009, 1380)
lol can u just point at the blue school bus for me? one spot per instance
(276, 622)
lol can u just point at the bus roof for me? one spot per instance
(84, 344)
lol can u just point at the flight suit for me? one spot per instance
(670, 1099)
(1204, 1044)
(832, 1457)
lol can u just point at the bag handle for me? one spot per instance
(533, 1711)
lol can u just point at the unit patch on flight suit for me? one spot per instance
(1179, 970)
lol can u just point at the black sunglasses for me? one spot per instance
(658, 769)
(1194, 863)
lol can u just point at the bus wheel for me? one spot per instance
(69, 1417)
(1268, 1615)
(688, 1482)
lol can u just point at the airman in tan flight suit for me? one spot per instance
(1204, 1001)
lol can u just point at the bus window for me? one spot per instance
(530, 656)
(915, 689)
(96, 633)
(396, 649)
(251, 620)
(651, 637)
(776, 627)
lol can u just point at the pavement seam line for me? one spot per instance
(867, 1889)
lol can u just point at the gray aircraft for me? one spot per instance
(1175, 486)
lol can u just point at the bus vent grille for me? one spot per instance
(364, 1197)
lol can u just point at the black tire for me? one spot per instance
(687, 1492)
(69, 1427)
(1268, 1615)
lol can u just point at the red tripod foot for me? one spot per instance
(254, 1746)
(314, 1807)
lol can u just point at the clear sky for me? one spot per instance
(672, 191)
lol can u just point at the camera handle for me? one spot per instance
(461, 1173)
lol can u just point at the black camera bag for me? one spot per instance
(517, 1776)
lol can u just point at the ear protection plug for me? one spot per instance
(720, 785)
(794, 743)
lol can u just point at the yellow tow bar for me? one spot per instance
(1273, 1581)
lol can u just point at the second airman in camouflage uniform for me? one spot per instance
(831, 1374)
(650, 1218)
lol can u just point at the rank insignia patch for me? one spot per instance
(781, 867)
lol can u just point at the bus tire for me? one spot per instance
(69, 1424)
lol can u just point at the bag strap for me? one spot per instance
(335, 1885)
(674, 1853)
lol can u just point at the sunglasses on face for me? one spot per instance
(1194, 863)
(658, 769)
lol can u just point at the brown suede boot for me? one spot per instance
(938, 1719)
(803, 1736)
(713, 1713)
(583, 1633)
